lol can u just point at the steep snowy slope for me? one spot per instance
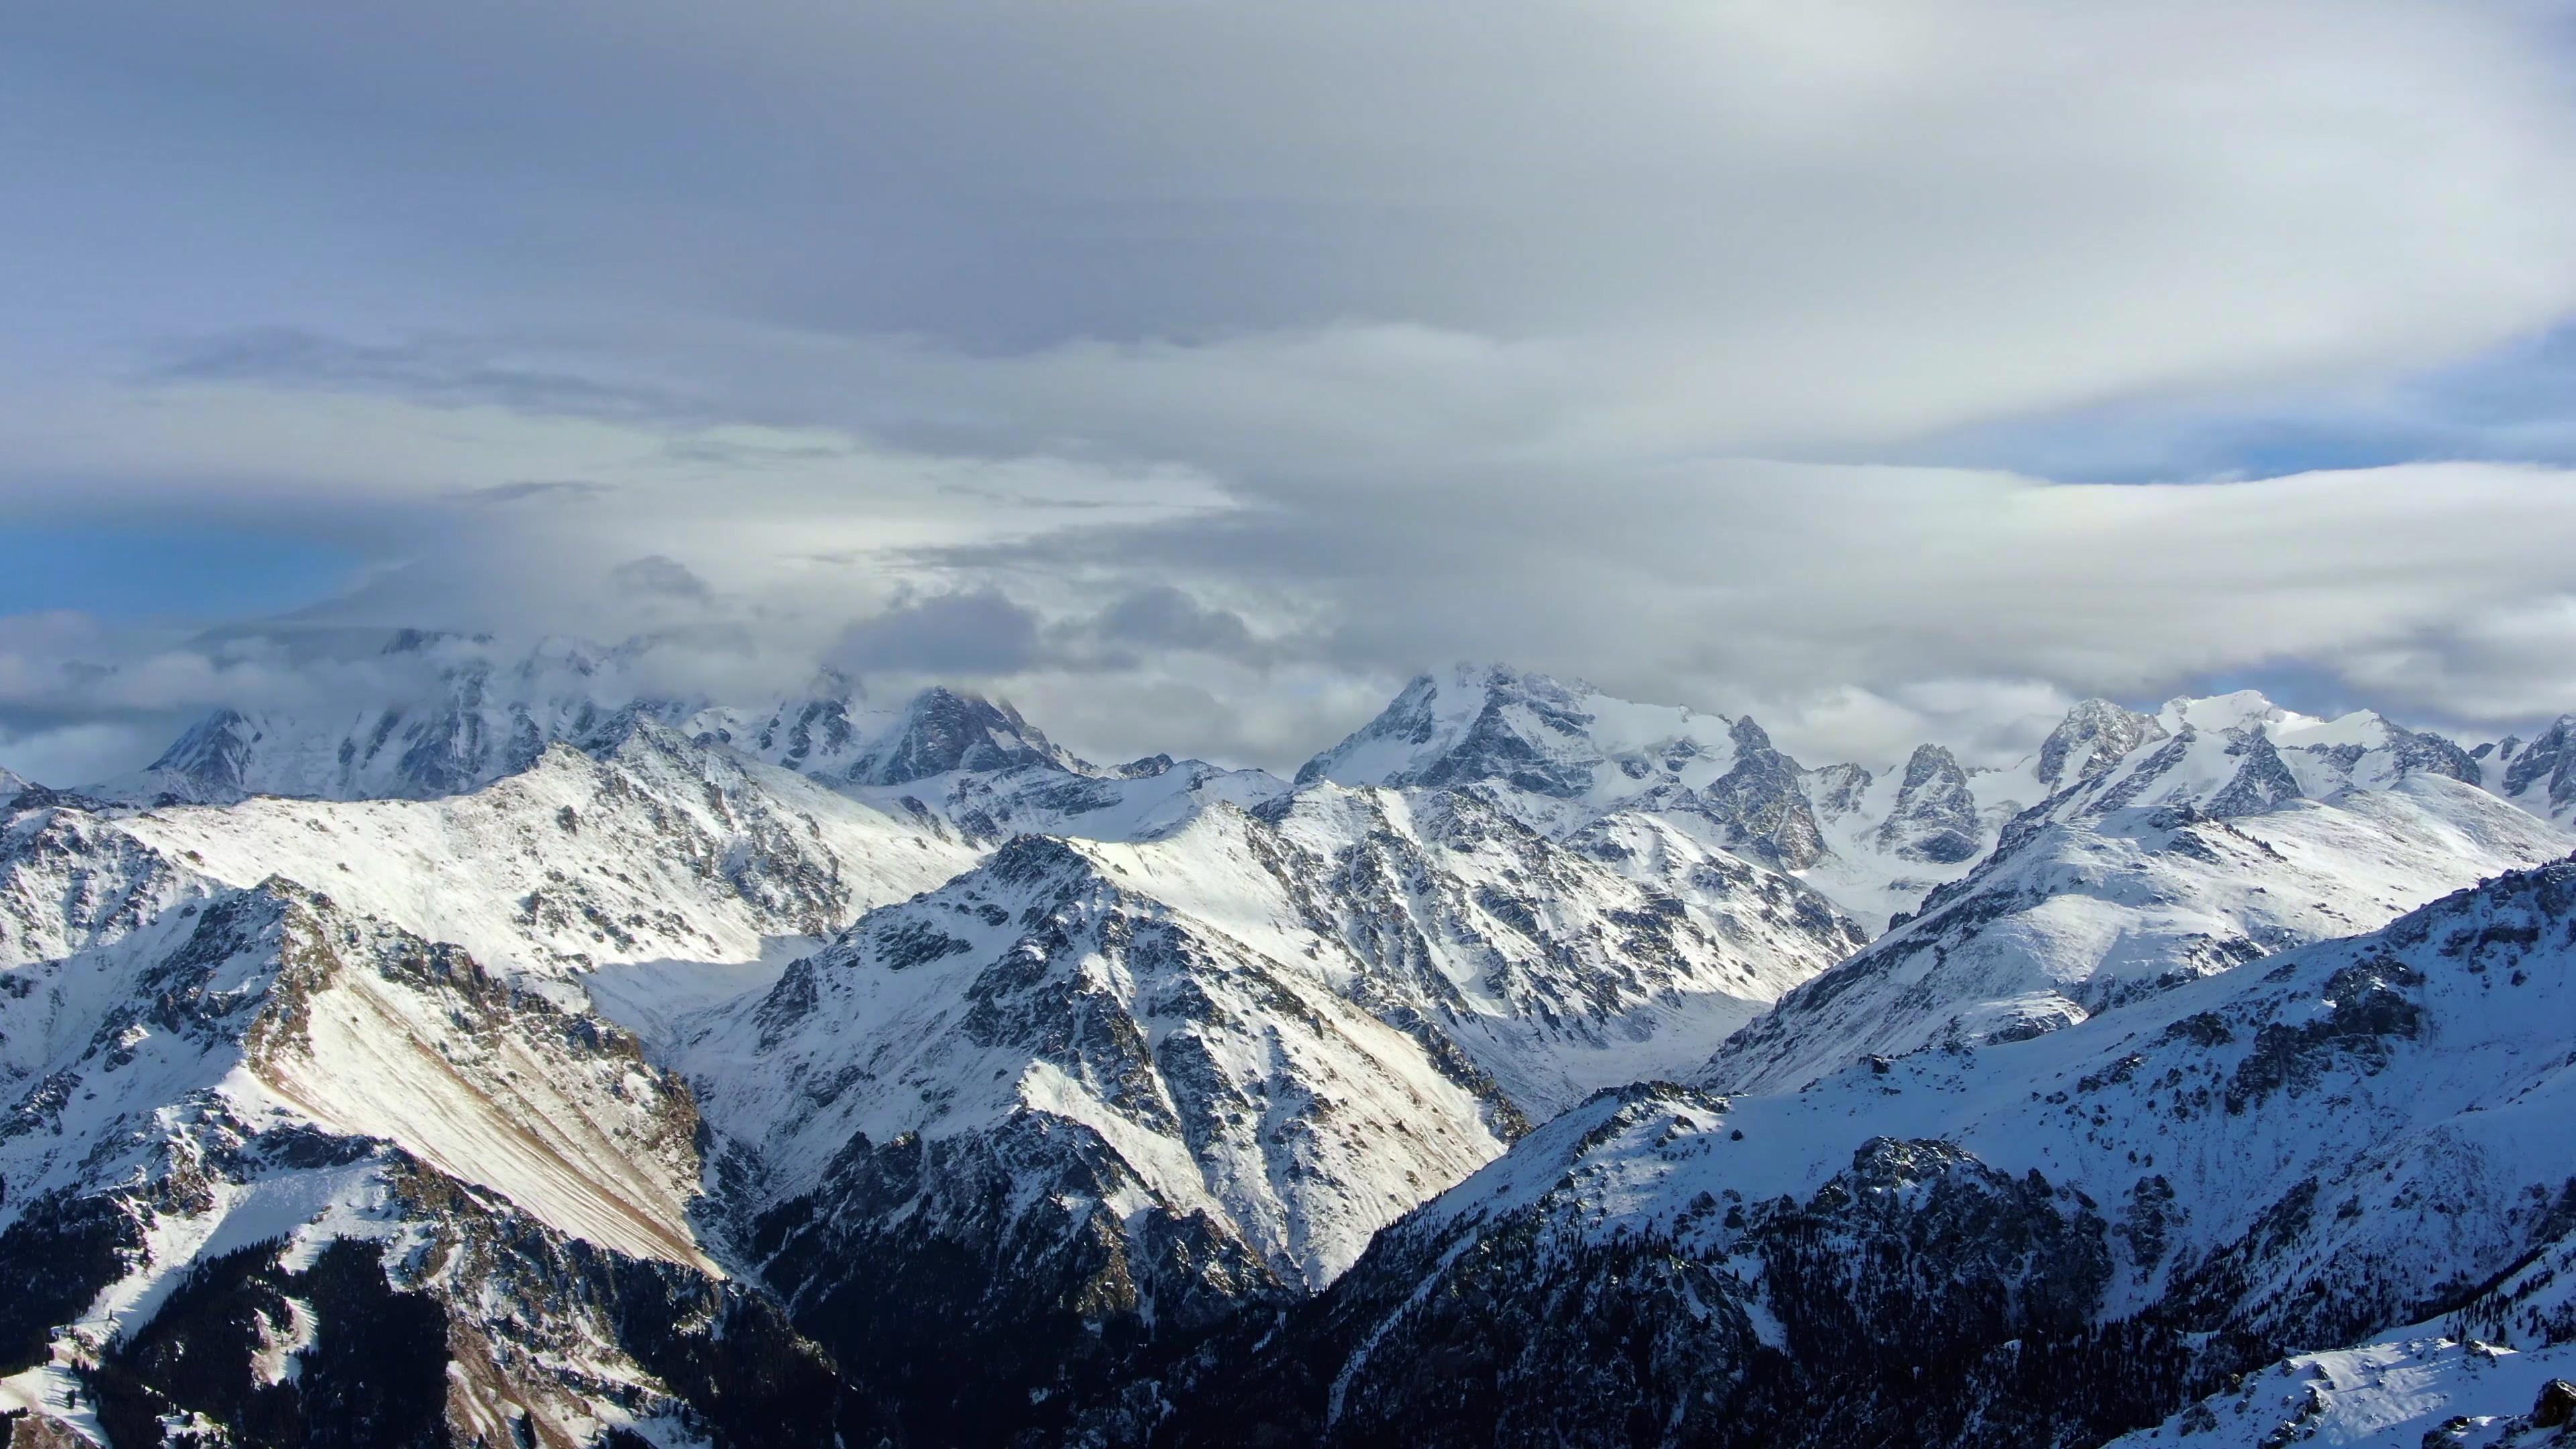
(1478, 722)
(2040, 1243)
(2189, 858)
(976, 766)
(1556, 966)
(259, 1140)
(1015, 1128)
(70, 880)
(1561, 755)
(1894, 836)
(834, 735)
(2410, 1389)
(2493, 1373)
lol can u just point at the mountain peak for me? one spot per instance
(2237, 710)
(943, 731)
(212, 750)
(1935, 816)
(2095, 735)
(1479, 722)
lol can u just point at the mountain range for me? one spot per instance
(527, 1057)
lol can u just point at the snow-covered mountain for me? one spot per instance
(1170, 1079)
(662, 870)
(1562, 756)
(2044, 1242)
(2093, 902)
(466, 716)
(438, 715)
(2538, 774)
(528, 1056)
(1204, 1051)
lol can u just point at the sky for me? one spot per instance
(1192, 373)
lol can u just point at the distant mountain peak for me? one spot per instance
(1478, 722)
(2095, 735)
(2221, 713)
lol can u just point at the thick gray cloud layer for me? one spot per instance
(1193, 372)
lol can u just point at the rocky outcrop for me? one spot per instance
(2094, 736)
(1935, 817)
(1762, 804)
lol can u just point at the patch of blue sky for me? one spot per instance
(129, 573)
(2515, 403)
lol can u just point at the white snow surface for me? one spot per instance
(2403, 1390)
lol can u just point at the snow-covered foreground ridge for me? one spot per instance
(524, 1061)
(2041, 1243)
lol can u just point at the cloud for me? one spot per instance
(1162, 617)
(659, 576)
(1763, 225)
(1196, 372)
(1946, 600)
(522, 490)
(451, 371)
(969, 633)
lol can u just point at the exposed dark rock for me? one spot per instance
(1935, 817)
(2555, 1406)
(2094, 736)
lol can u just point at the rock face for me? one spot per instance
(2540, 775)
(938, 732)
(1556, 966)
(2094, 736)
(1760, 805)
(1935, 818)
(1561, 756)
(1169, 1127)
(2061, 1238)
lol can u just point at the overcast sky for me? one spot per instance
(1192, 373)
